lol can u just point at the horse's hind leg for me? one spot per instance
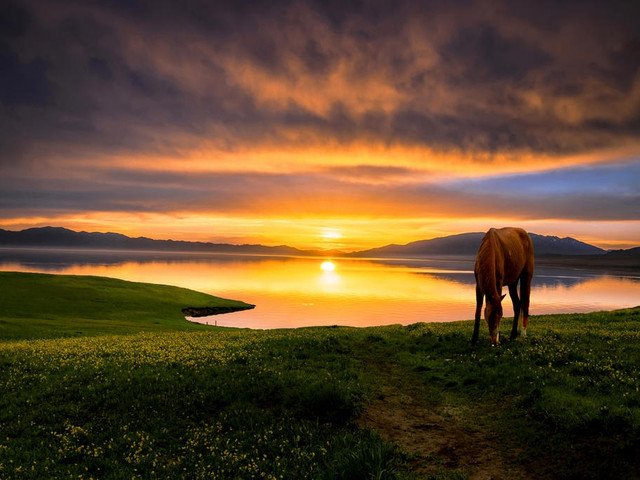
(476, 326)
(513, 293)
(525, 293)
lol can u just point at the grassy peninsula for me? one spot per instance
(89, 389)
(48, 306)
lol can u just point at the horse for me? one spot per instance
(505, 257)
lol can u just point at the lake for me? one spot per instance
(304, 291)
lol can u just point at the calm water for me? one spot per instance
(296, 292)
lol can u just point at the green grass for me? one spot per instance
(46, 306)
(566, 399)
(164, 398)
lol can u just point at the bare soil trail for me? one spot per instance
(441, 442)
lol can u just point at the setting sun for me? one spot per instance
(331, 234)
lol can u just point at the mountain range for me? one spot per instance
(468, 243)
(50, 237)
(462, 244)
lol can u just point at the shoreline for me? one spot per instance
(202, 315)
(212, 311)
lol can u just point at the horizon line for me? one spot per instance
(303, 250)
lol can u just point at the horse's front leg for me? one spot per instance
(513, 293)
(525, 295)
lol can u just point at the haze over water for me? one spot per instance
(302, 291)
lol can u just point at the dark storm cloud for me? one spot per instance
(23, 83)
(14, 20)
(479, 53)
(487, 76)
(20, 82)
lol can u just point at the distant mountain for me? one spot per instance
(625, 254)
(545, 245)
(463, 244)
(468, 244)
(64, 238)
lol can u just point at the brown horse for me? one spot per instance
(505, 257)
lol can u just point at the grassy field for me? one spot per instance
(153, 396)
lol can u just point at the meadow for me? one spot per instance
(101, 378)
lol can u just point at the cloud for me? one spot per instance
(478, 76)
(479, 54)
(374, 174)
(605, 192)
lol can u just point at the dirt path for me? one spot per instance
(438, 441)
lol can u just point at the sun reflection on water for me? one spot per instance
(328, 266)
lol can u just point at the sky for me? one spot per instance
(321, 123)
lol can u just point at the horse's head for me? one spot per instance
(493, 315)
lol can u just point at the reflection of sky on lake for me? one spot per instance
(292, 292)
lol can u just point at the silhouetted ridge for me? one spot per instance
(468, 244)
(462, 244)
(64, 238)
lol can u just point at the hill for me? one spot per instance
(462, 244)
(72, 306)
(65, 238)
(468, 243)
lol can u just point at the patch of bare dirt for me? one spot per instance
(436, 440)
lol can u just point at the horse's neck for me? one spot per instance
(489, 266)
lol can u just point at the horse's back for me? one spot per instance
(517, 249)
(511, 250)
(515, 239)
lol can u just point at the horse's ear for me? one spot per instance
(502, 297)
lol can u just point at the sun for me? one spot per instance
(328, 266)
(331, 234)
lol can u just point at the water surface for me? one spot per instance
(300, 291)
